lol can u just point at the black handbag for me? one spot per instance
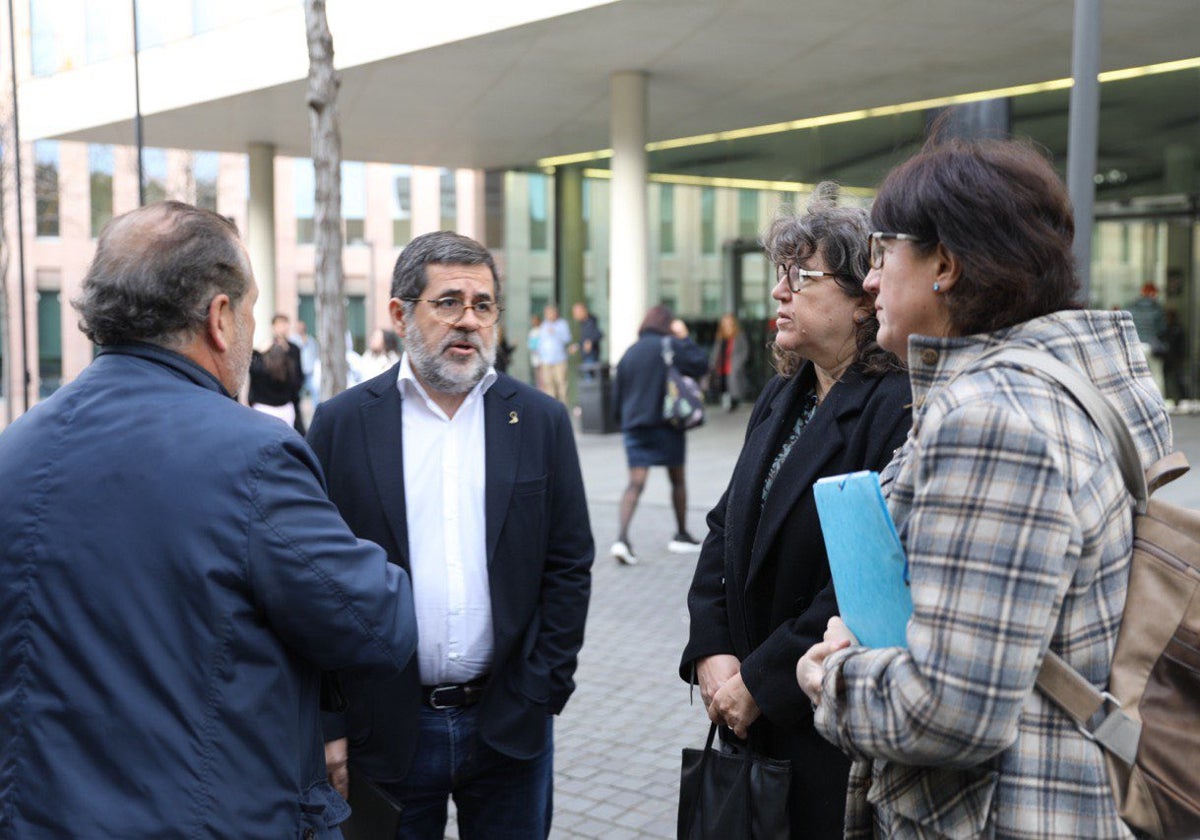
(683, 401)
(733, 796)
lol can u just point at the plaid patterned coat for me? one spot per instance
(1018, 530)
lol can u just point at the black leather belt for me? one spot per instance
(453, 695)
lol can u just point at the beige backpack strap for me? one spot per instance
(1116, 731)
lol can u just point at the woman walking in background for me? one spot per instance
(727, 364)
(761, 594)
(649, 442)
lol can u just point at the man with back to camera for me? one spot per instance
(471, 481)
(173, 578)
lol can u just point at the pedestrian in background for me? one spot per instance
(383, 351)
(761, 595)
(589, 339)
(1010, 505)
(276, 377)
(535, 358)
(309, 362)
(173, 578)
(554, 337)
(727, 363)
(638, 390)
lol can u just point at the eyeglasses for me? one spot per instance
(877, 249)
(450, 310)
(797, 277)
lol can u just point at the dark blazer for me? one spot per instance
(641, 378)
(173, 582)
(539, 555)
(762, 588)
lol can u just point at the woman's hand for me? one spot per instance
(734, 706)
(712, 673)
(810, 670)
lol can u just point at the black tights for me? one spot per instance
(633, 492)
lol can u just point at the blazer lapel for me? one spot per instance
(741, 520)
(383, 431)
(821, 442)
(502, 442)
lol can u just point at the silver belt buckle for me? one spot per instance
(433, 702)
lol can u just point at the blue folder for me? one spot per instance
(870, 570)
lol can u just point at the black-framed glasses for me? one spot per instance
(797, 277)
(450, 310)
(878, 251)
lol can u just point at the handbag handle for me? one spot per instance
(668, 354)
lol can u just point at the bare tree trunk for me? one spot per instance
(323, 83)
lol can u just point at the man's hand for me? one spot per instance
(810, 670)
(336, 767)
(713, 671)
(734, 706)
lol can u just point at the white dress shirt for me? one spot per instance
(444, 484)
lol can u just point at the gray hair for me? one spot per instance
(156, 271)
(840, 236)
(443, 247)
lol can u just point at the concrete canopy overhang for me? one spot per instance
(469, 87)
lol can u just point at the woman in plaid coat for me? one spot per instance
(1010, 505)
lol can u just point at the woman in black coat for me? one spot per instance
(762, 595)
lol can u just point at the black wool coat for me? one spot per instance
(762, 588)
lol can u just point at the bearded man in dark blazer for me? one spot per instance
(471, 482)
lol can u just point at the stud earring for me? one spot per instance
(937, 287)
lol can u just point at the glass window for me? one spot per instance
(354, 201)
(206, 167)
(708, 220)
(154, 170)
(587, 215)
(108, 29)
(306, 199)
(57, 35)
(45, 153)
(100, 182)
(449, 200)
(308, 312)
(539, 234)
(162, 22)
(49, 321)
(356, 321)
(666, 219)
(401, 196)
(208, 15)
(748, 214)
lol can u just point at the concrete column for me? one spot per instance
(568, 236)
(472, 203)
(628, 261)
(1083, 133)
(260, 234)
(986, 118)
(426, 200)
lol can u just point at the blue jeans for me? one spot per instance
(496, 796)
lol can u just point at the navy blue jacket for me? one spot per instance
(539, 558)
(173, 581)
(641, 378)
